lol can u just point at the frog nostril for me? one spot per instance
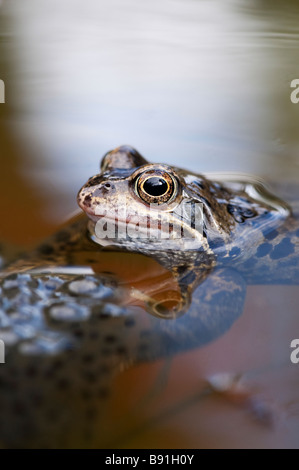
(108, 186)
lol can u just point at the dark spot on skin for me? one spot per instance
(181, 269)
(263, 250)
(95, 180)
(87, 200)
(62, 236)
(271, 235)
(235, 251)
(46, 249)
(283, 249)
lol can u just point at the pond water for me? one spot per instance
(199, 84)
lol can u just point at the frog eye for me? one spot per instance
(155, 186)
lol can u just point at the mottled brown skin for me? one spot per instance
(243, 224)
(70, 323)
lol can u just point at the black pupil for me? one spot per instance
(155, 186)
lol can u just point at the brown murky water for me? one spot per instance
(203, 85)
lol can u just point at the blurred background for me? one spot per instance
(202, 84)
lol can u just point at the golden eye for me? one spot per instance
(155, 186)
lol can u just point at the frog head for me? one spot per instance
(132, 203)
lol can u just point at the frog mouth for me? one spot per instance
(123, 234)
(134, 228)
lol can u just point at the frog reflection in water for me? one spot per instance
(71, 324)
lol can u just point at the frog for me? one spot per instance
(70, 323)
(241, 224)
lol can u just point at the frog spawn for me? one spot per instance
(70, 332)
(32, 305)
